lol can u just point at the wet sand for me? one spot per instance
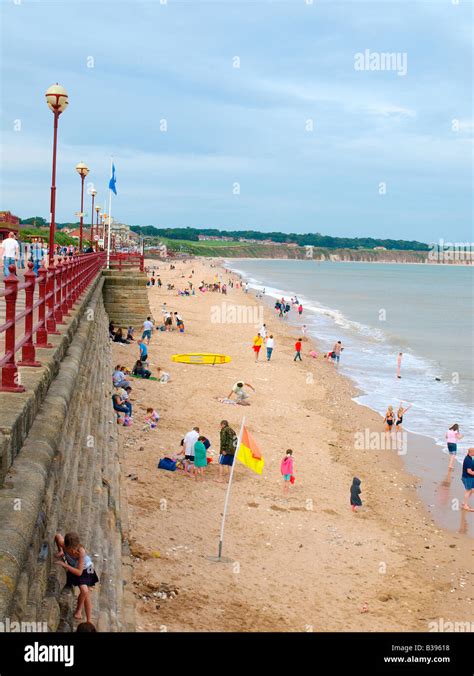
(303, 564)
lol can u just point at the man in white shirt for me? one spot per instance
(10, 252)
(189, 440)
(270, 344)
(263, 331)
(147, 329)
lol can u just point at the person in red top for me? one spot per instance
(300, 309)
(298, 350)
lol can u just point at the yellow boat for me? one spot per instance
(201, 358)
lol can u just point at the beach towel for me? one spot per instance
(224, 400)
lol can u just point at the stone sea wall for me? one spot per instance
(63, 473)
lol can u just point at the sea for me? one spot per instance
(378, 310)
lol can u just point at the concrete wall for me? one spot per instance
(65, 474)
(126, 298)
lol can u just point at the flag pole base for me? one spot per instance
(220, 559)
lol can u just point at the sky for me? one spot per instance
(245, 114)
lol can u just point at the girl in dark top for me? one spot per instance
(79, 570)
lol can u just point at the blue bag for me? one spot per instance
(167, 463)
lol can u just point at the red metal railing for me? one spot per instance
(58, 287)
(127, 261)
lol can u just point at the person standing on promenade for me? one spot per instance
(270, 345)
(468, 478)
(228, 439)
(453, 435)
(298, 346)
(10, 252)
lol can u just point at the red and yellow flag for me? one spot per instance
(249, 452)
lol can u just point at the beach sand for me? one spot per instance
(306, 563)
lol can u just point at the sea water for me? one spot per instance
(378, 310)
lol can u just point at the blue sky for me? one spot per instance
(248, 125)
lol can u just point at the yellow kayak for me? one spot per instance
(201, 358)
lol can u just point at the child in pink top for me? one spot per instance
(286, 469)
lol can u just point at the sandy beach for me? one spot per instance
(306, 563)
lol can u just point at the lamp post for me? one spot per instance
(82, 169)
(57, 100)
(97, 209)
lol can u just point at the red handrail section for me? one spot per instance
(127, 261)
(59, 287)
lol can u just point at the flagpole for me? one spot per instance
(229, 486)
(110, 217)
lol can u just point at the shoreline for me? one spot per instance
(308, 561)
(422, 445)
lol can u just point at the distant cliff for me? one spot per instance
(285, 251)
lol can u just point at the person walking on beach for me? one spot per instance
(263, 331)
(270, 345)
(257, 344)
(286, 469)
(143, 350)
(336, 351)
(228, 439)
(389, 419)
(190, 439)
(452, 437)
(147, 329)
(355, 494)
(468, 478)
(400, 413)
(300, 309)
(298, 346)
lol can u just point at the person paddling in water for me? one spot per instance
(453, 435)
(400, 413)
(389, 419)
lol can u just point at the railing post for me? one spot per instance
(42, 334)
(58, 276)
(50, 292)
(28, 352)
(74, 293)
(10, 374)
(65, 291)
(142, 262)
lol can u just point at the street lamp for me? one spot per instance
(93, 193)
(97, 209)
(82, 169)
(57, 100)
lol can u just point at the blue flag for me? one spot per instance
(113, 181)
